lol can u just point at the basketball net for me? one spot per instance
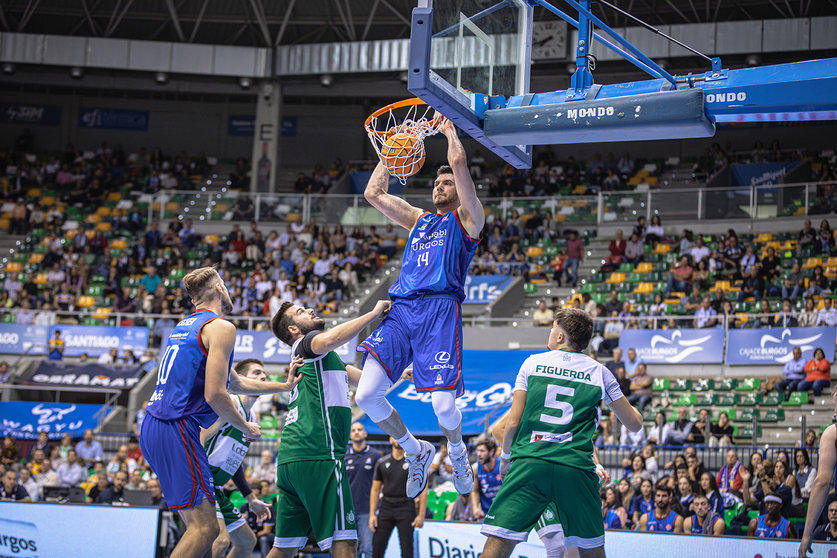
(397, 132)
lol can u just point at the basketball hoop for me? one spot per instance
(397, 132)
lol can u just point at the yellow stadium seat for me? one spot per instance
(662, 248)
(831, 262)
(36, 258)
(13, 267)
(41, 279)
(172, 206)
(293, 218)
(103, 211)
(616, 278)
(580, 203)
(401, 243)
(831, 272)
(644, 267)
(33, 193)
(114, 196)
(811, 263)
(652, 180)
(644, 288)
(93, 218)
(560, 217)
(534, 251)
(101, 313)
(155, 206)
(47, 201)
(118, 243)
(566, 203)
(210, 238)
(223, 207)
(763, 238)
(579, 190)
(86, 302)
(104, 226)
(4, 223)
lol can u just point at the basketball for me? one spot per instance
(403, 154)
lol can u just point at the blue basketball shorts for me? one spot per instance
(426, 331)
(174, 451)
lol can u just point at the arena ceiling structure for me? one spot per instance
(284, 31)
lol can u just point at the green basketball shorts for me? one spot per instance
(525, 497)
(226, 510)
(315, 496)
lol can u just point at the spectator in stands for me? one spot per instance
(632, 363)
(699, 252)
(768, 483)
(614, 513)
(244, 209)
(728, 478)
(487, 480)
(709, 488)
(704, 521)
(64, 447)
(643, 501)
(153, 486)
(135, 482)
(655, 231)
(817, 374)
(70, 472)
(679, 430)
(360, 463)
(685, 493)
(10, 453)
(630, 439)
(575, 256)
(120, 458)
(784, 475)
(753, 285)
(612, 330)
(25, 315)
(818, 283)
(461, 509)
(700, 428)
(793, 372)
(110, 357)
(42, 443)
(772, 525)
(442, 467)
(28, 482)
(720, 433)
(613, 303)
(11, 490)
(616, 361)
(827, 316)
(56, 345)
(641, 384)
(114, 494)
(828, 531)
(662, 518)
(706, 316)
(660, 432)
(694, 300)
(543, 315)
(634, 249)
(809, 316)
(804, 473)
(786, 317)
(793, 283)
(731, 257)
(616, 248)
(680, 277)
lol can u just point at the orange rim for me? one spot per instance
(391, 106)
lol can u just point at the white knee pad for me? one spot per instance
(372, 390)
(553, 541)
(444, 405)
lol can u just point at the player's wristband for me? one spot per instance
(506, 456)
(599, 468)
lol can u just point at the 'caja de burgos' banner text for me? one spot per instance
(775, 345)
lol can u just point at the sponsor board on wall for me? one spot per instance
(113, 119)
(18, 339)
(25, 420)
(30, 114)
(482, 289)
(97, 340)
(775, 345)
(675, 346)
(92, 375)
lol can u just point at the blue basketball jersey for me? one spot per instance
(436, 258)
(182, 374)
(663, 524)
(611, 520)
(778, 531)
(490, 483)
(697, 527)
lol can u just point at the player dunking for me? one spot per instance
(193, 390)
(550, 437)
(425, 325)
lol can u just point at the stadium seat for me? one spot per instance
(704, 399)
(86, 301)
(723, 399)
(773, 415)
(660, 384)
(726, 384)
(797, 399)
(745, 431)
(748, 399)
(704, 384)
(685, 400)
(771, 399)
(748, 384)
(746, 415)
(681, 384)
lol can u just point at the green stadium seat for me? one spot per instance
(660, 384)
(723, 399)
(704, 384)
(797, 399)
(269, 422)
(748, 399)
(530, 288)
(773, 415)
(745, 431)
(746, 415)
(703, 400)
(685, 400)
(237, 499)
(681, 384)
(727, 384)
(748, 384)
(771, 399)
(648, 414)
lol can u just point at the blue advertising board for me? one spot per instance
(775, 345)
(289, 126)
(25, 419)
(113, 119)
(489, 379)
(97, 340)
(264, 346)
(482, 289)
(241, 125)
(675, 346)
(18, 339)
(30, 114)
(760, 174)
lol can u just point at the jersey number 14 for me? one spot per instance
(423, 259)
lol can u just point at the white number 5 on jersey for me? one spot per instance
(552, 402)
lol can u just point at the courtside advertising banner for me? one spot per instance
(97, 340)
(25, 420)
(489, 378)
(18, 339)
(42, 530)
(264, 346)
(463, 540)
(675, 346)
(775, 345)
(91, 374)
(27, 113)
(113, 119)
(482, 289)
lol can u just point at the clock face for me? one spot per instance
(549, 40)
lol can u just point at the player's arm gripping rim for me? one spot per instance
(470, 209)
(395, 208)
(219, 337)
(339, 335)
(246, 386)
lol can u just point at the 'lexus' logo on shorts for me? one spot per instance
(442, 357)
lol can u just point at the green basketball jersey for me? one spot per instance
(319, 413)
(563, 391)
(227, 448)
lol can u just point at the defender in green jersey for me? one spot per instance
(548, 443)
(226, 447)
(314, 493)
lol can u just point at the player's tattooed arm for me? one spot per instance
(343, 333)
(394, 207)
(470, 209)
